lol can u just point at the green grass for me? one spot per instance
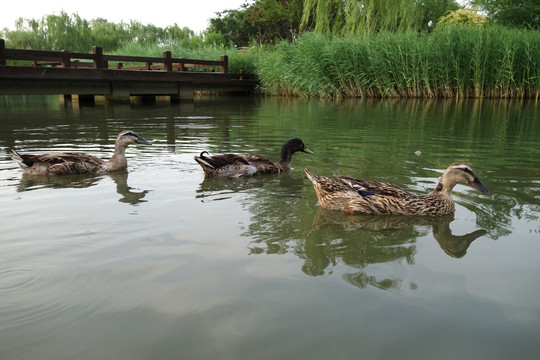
(458, 62)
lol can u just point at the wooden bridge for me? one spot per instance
(82, 76)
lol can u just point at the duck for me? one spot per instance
(356, 196)
(245, 165)
(78, 163)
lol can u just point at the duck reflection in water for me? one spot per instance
(80, 181)
(454, 245)
(77, 181)
(363, 240)
(220, 188)
(128, 194)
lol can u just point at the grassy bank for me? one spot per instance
(451, 62)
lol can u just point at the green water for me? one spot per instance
(158, 263)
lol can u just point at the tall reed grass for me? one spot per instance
(488, 62)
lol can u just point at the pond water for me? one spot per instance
(158, 263)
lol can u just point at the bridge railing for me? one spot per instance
(98, 60)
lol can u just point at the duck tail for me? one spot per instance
(319, 182)
(203, 160)
(311, 176)
(18, 158)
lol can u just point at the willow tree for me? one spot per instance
(340, 17)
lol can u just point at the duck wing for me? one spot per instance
(408, 204)
(220, 161)
(58, 163)
(226, 165)
(379, 204)
(70, 163)
(375, 187)
(262, 164)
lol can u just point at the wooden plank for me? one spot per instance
(130, 58)
(42, 55)
(81, 64)
(110, 74)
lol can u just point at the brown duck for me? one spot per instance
(355, 196)
(244, 165)
(76, 163)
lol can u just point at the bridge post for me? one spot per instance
(185, 93)
(167, 62)
(66, 100)
(119, 94)
(2, 47)
(98, 57)
(225, 66)
(66, 59)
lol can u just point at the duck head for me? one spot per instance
(128, 137)
(460, 172)
(291, 146)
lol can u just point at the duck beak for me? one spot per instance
(479, 186)
(306, 150)
(140, 140)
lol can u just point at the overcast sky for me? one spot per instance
(191, 13)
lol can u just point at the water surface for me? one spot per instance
(157, 262)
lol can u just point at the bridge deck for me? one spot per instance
(63, 73)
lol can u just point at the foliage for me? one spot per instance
(70, 32)
(256, 22)
(109, 35)
(264, 21)
(453, 61)
(276, 19)
(463, 17)
(522, 13)
(343, 17)
(52, 32)
(234, 25)
(433, 10)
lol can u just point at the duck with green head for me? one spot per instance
(244, 165)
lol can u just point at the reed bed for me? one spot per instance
(457, 62)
